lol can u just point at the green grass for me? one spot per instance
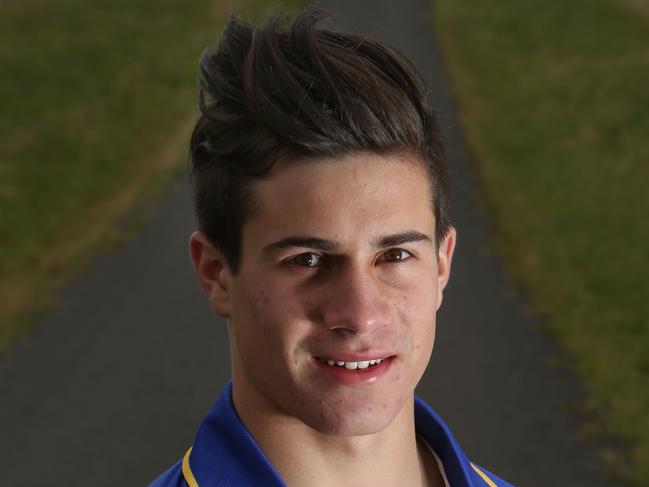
(554, 98)
(97, 100)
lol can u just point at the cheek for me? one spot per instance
(269, 322)
(416, 310)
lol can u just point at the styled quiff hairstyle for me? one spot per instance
(297, 91)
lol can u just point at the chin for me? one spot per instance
(340, 418)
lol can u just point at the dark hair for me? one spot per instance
(299, 91)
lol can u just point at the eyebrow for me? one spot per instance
(330, 246)
(401, 238)
(306, 242)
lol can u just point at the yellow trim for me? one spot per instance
(489, 482)
(187, 471)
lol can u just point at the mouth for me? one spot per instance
(353, 365)
(354, 372)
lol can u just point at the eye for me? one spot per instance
(307, 259)
(395, 255)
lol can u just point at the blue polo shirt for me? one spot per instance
(225, 454)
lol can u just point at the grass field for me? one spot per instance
(554, 98)
(97, 101)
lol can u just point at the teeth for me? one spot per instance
(363, 364)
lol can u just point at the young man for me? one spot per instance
(321, 196)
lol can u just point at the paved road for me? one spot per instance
(110, 387)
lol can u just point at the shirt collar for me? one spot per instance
(432, 429)
(224, 450)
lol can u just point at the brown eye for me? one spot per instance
(396, 255)
(308, 259)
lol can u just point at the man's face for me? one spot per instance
(338, 264)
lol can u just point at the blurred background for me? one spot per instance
(554, 100)
(98, 100)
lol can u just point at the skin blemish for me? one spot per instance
(263, 296)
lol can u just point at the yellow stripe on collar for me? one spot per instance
(484, 476)
(187, 471)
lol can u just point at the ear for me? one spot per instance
(444, 258)
(212, 272)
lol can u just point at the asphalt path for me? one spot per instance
(110, 387)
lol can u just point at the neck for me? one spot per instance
(304, 456)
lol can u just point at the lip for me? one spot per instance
(358, 377)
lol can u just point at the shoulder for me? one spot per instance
(173, 477)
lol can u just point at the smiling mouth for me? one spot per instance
(359, 365)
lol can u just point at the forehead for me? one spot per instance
(346, 196)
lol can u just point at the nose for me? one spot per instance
(357, 302)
